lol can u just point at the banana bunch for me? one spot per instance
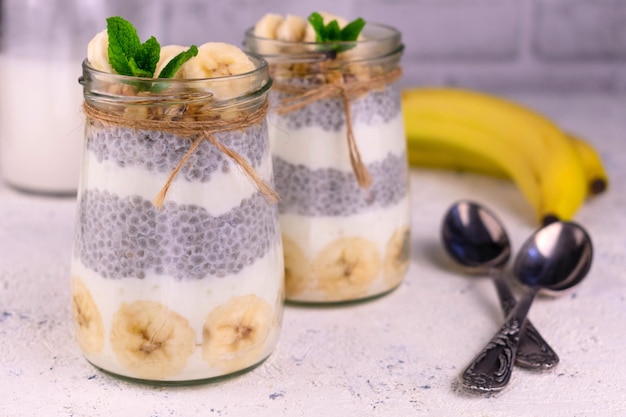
(477, 132)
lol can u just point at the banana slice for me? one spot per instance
(291, 29)
(150, 340)
(346, 267)
(89, 325)
(235, 334)
(217, 59)
(278, 308)
(98, 52)
(167, 53)
(397, 254)
(267, 26)
(297, 268)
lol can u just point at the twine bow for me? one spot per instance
(197, 129)
(301, 96)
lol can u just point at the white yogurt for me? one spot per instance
(231, 187)
(312, 234)
(317, 148)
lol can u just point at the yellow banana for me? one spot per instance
(455, 159)
(431, 132)
(452, 159)
(523, 137)
(597, 177)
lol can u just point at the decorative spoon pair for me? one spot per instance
(556, 257)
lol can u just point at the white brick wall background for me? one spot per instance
(557, 45)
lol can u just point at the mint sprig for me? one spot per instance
(331, 32)
(175, 63)
(128, 56)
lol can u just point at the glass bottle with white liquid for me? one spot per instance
(41, 123)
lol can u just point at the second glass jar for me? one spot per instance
(339, 157)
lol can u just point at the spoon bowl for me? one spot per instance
(476, 239)
(555, 258)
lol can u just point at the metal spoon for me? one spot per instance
(475, 238)
(556, 257)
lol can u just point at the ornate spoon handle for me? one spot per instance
(491, 368)
(532, 350)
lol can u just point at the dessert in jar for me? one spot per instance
(339, 154)
(177, 266)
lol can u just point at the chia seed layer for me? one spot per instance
(331, 192)
(128, 237)
(161, 152)
(328, 114)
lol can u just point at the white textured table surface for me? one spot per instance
(398, 355)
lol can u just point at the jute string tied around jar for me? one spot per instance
(197, 131)
(300, 96)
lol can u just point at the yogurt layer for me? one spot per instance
(321, 246)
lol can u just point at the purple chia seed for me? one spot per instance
(331, 192)
(328, 114)
(183, 241)
(162, 151)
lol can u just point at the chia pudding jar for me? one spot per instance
(177, 266)
(340, 163)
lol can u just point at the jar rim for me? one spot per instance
(391, 33)
(261, 66)
(379, 40)
(97, 85)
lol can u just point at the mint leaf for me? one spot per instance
(317, 21)
(128, 56)
(136, 70)
(331, 32)
(175, 63)
(123, 44)
(147, 56)
(352, 30)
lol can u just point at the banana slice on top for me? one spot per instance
(267, 26)
(346, 267)
(397, 254)
(98, 52)
(150, 340)
(291, 29)
(298, 275)
(236, 334)
(89, 325)
(217, 59)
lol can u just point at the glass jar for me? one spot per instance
(41, 125)
(341, 170)
(177, 266)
